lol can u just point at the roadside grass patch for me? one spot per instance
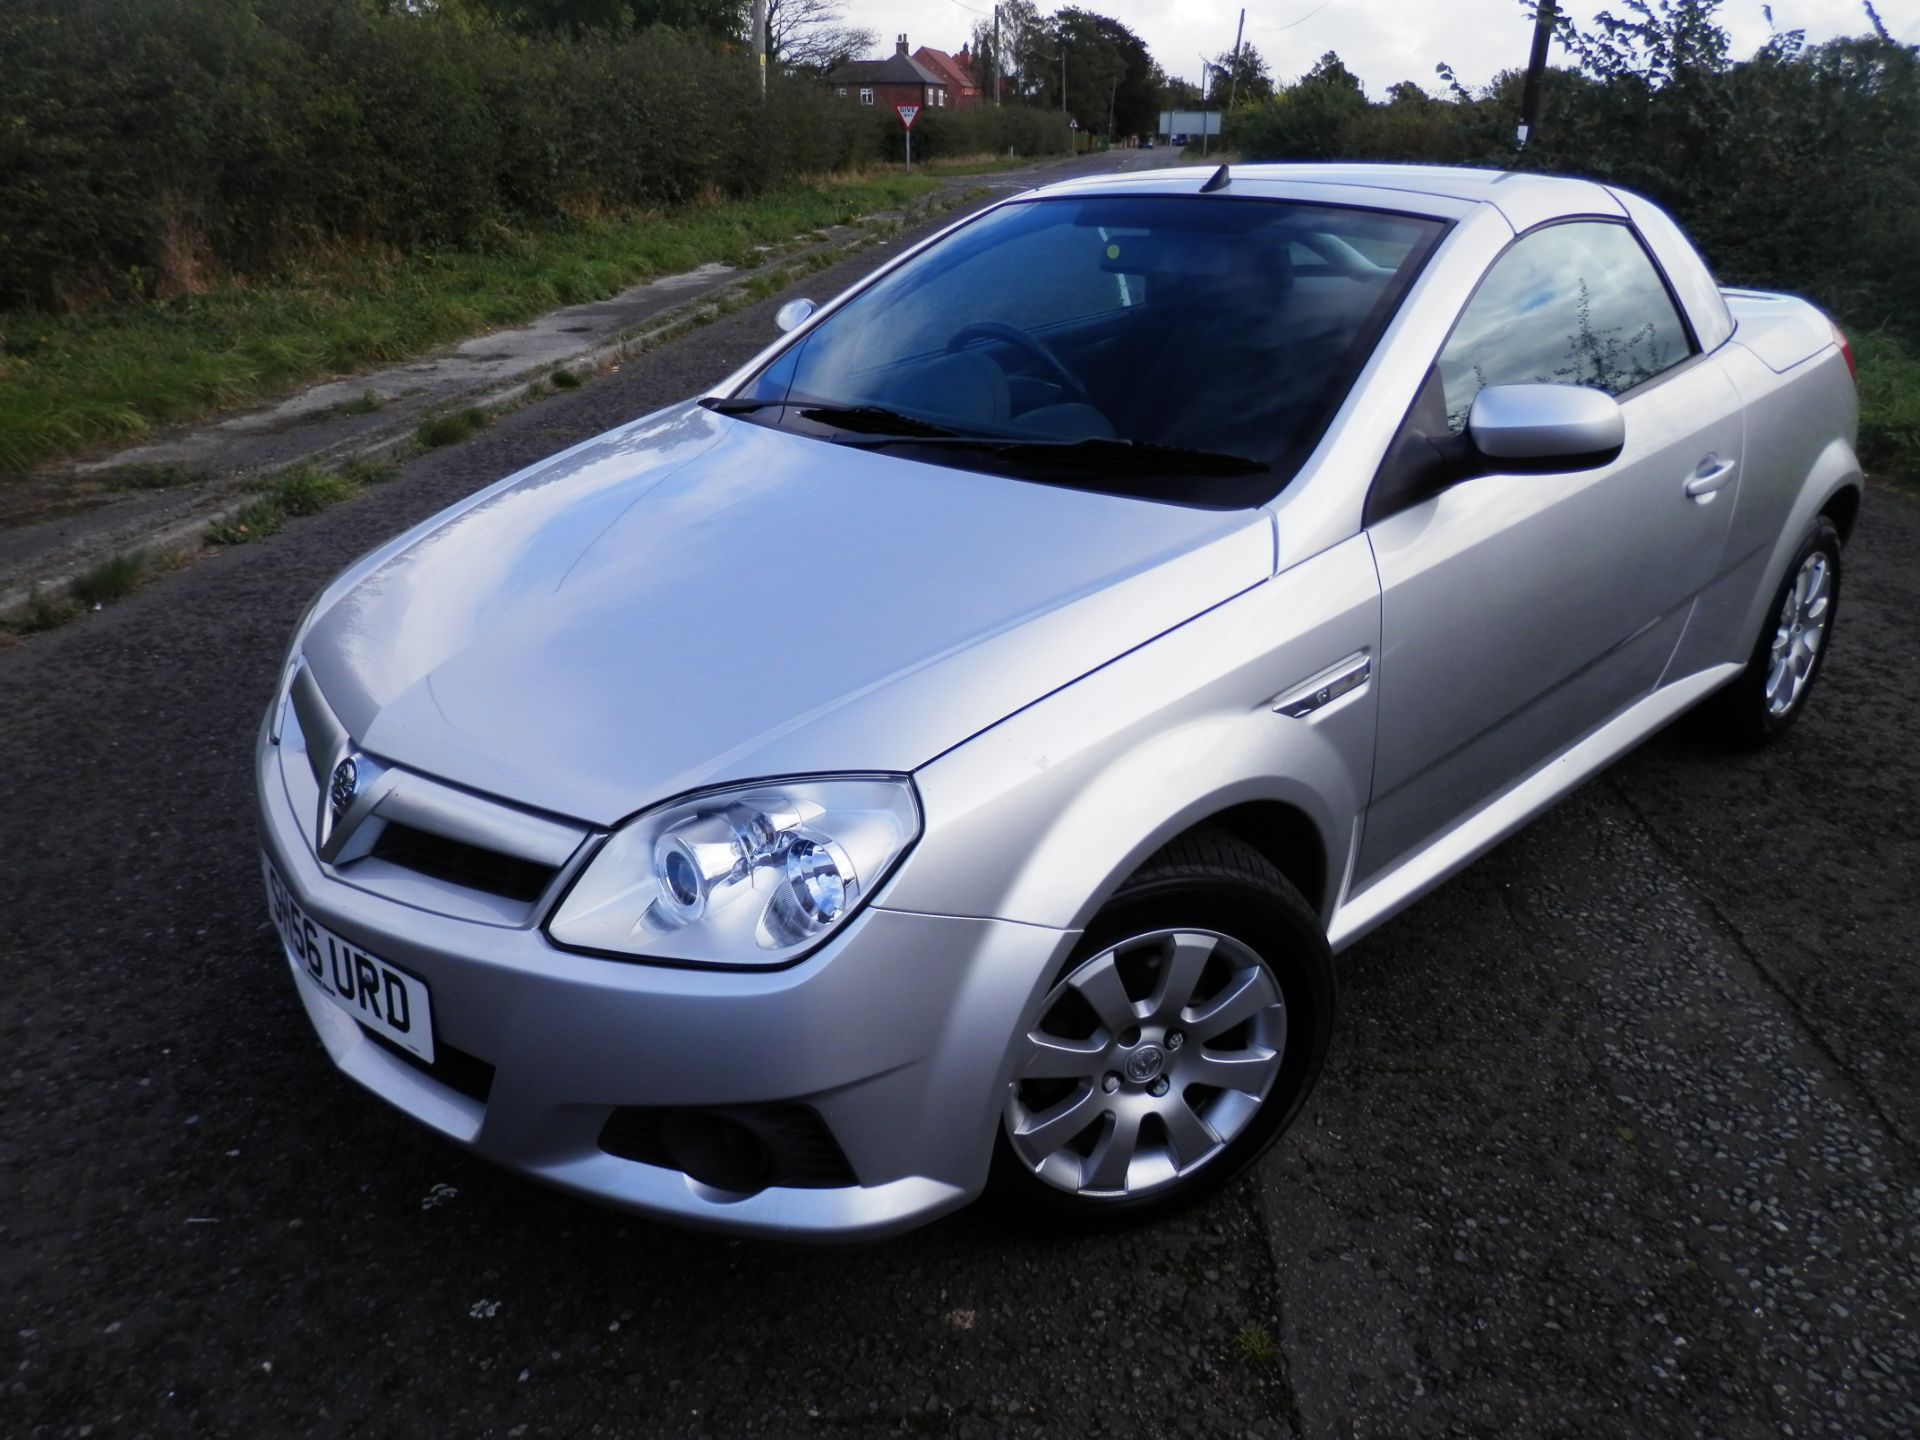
(369, 470)
(112, 579)
(1889, 406)
(43, 612)
(111, 373)
(307, 491)
(451, 428)
(365, 403)
(255, 521)
(1255, 1346)
(564, 380)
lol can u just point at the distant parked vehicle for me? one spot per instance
(1147, 144)
(952, 751)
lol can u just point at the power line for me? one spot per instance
(1269, 29)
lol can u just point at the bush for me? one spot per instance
(145, 149)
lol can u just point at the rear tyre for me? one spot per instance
(1772, 691)
(1176, 1044)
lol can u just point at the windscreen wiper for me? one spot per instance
(1094, 454)
(875, 420)
(861, 419)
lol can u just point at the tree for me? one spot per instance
(720, 19)
(1008, 54)
(1655, 43)
(1251, 71)
(812, 35)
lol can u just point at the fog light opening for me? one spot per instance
(717, 1151)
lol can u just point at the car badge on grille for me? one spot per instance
(346, 784)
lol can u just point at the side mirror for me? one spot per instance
(793, 314)
(1546, 427)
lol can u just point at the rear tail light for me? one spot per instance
(1846, 350)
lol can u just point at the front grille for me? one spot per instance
(461, 863)
(735, 1147)
(460, 1072)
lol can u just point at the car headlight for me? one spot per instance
(752, 875)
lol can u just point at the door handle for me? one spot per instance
(1712, 475)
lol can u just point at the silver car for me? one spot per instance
(951, 753)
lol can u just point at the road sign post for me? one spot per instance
(906, 114)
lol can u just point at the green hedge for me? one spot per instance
(144, 144)
(978, 130)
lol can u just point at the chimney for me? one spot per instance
(900, 46)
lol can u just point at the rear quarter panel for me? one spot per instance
(1801, 424)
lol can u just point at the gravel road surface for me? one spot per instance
(1620, 1134)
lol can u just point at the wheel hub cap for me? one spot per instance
(1148, 1059)
(1143, 1066)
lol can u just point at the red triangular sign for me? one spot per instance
(906, 114)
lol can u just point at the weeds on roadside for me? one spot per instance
(112, 579)
(43, 612)
(307, 491)
(363, 404)
(451, 428)
(1256, 1347)
(256, 521)
(565, 380)
(369, 470)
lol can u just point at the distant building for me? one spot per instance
(900, 79)
(963, 89)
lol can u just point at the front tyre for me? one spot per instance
(1177, 1043)
(1772, 691)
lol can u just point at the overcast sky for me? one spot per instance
(1381, 40)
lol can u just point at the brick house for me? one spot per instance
(897, 80)
(957, 70)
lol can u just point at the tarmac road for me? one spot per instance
(1620, 1134)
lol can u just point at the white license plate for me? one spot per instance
(382, 997)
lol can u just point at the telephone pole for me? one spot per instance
(1543, 17)
(759, 42)
(993, 60)
(1233, 79)
(1205, 65)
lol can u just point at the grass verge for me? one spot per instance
(451, 428)
(302, 490)
(114, 578)
(68, 382)
(1889, 407)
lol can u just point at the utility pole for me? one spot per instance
(1543, 17)
(995, 66)
(1205, 65)
(759, 42)
(1112, 95)
(1233, 80)
(1063, 93)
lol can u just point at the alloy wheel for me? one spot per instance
(1799, 634)
(1148, 1059)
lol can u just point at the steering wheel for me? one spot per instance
(1038, 349)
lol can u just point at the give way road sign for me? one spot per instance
(906, 114)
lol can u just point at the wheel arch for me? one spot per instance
(1842, 507)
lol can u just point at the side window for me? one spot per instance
(1574, 304)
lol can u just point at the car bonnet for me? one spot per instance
(695, 599)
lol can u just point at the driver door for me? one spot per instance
(1522, 611)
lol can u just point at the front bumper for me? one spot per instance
(898, 1034)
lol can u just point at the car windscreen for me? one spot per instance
(1189, 348)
